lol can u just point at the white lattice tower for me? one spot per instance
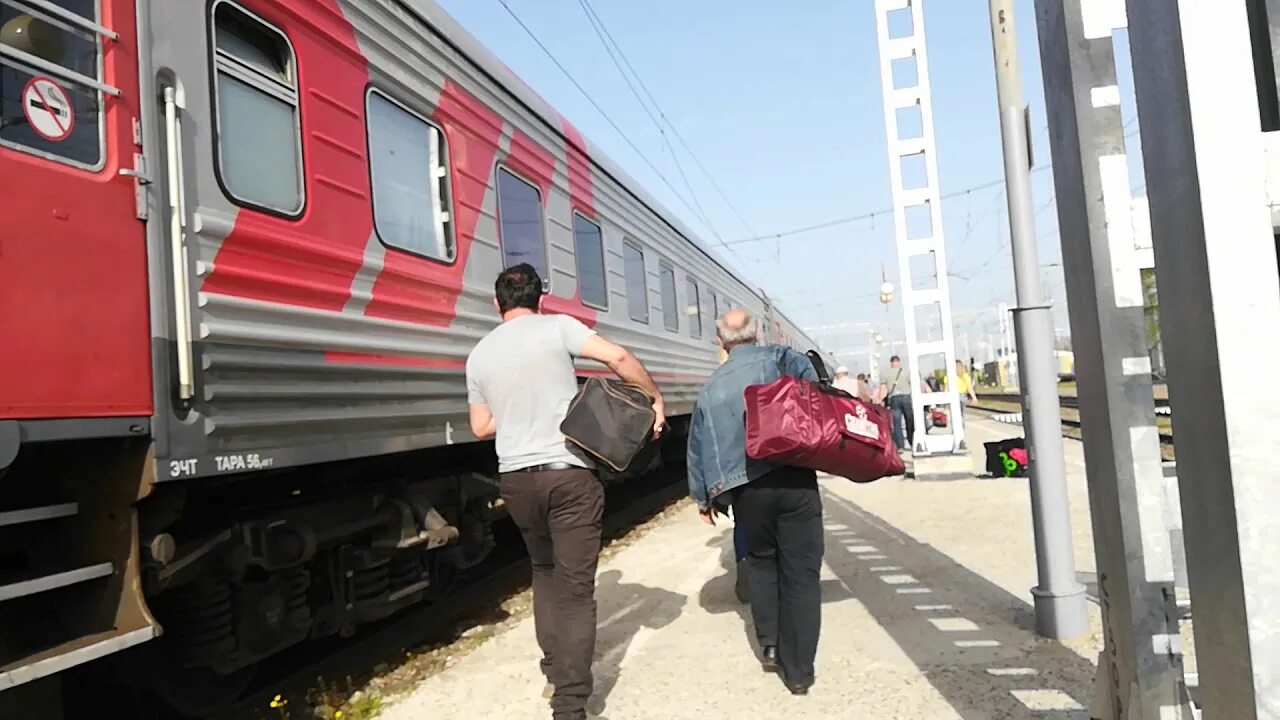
(917, 209)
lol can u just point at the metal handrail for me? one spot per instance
(63, 14)
(55, 69)
(173, 104)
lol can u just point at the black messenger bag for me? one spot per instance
(611, 421)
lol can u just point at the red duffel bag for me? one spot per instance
(805, 424)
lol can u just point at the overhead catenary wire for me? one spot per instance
(967, 274)
(864, 216)
(675, 132)
(556, 61)
(602, 33)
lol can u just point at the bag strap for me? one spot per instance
(819, 367)
(814, 358)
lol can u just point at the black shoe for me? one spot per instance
(769, 659)
(799, 688)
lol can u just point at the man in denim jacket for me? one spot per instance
(778, 507)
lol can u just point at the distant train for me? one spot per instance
(246, 247)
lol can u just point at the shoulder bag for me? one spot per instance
(813, 425)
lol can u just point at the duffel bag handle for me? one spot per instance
(824, 380)
(819, 367)
(815, 359)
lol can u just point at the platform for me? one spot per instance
(926, 616)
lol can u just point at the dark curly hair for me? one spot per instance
(518, 287)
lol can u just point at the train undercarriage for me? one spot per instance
(224, 573)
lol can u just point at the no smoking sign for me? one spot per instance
(48, 109)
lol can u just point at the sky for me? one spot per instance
(782, 105)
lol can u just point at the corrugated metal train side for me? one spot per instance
(327, 189)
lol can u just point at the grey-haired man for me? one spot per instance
(778, 507)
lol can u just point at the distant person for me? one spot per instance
(843, 382)
(520, 380)
(864, 388)
(779, 507)
(856, 387)
(895, 391)
(964, 385)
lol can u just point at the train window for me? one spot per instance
(670, 305)
(259, 139)
(54, 111)
(588, 247)
(408, 164)
(637, 282)
(713, 309)
(694, 310)
(520, 224)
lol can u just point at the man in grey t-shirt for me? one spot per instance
(895, 387)
(523, 372)
(520, 380)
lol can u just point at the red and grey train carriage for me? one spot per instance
(245, 248)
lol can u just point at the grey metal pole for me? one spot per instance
(1059, 598)
(1196, 68)
(1140, 671)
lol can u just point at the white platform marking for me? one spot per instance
(955, 624)
(977, 643)
(899, 579)
(1046, 700)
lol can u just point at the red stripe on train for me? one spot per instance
(426, 292)
(310, 261)
(355, 358)
(580, 189)
(417, 361)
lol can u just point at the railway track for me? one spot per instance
(996, 404)
(338, 667)
(1067, 401)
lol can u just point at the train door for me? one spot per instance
(75, 362)
(260, 113)
(73, 267)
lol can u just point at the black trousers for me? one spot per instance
(782, 516)
(559, 513)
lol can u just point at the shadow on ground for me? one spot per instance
(717, 595)
(972, 639)
(623, 610)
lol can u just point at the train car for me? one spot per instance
(246, 248)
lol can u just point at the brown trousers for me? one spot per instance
(559, 513)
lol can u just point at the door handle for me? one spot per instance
(173, 103)
(140, 182)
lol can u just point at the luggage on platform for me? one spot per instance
(813, 425)
(1007, 458)
(612, 421)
